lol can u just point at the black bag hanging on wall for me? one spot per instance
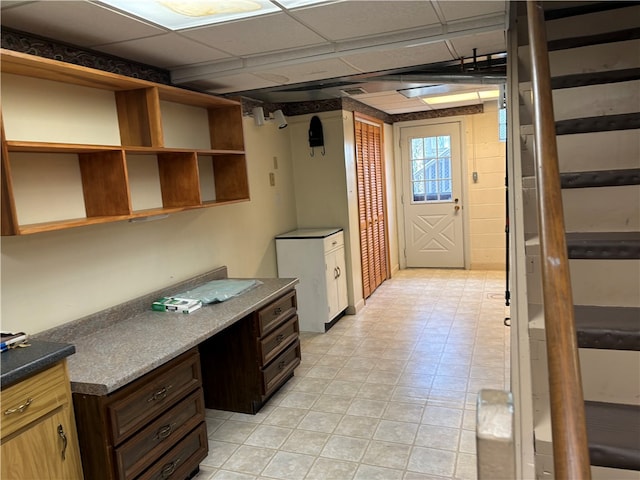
(316, 136)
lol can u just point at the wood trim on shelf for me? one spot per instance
(104, 168)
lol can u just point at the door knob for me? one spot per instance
(456, 208)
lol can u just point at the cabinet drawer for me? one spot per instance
(273, 344)
(333, 241)
(280, 368)
(33, 398)
(182, 459)
(271, 315)
(140, 451)
(147, 397)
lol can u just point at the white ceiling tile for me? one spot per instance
(256, 35)
(492, 42)
(165, 51)
(233, 83)
(309, 71)
(353, 19)
(458, 10)
(78, 23)
(404, 57)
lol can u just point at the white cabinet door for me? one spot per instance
(336, 282)
(316, 257)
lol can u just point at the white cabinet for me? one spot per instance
(316, 258)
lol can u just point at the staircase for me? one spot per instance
(594, 54)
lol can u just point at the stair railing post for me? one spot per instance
(568, 426)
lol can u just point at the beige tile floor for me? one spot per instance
(386, 394)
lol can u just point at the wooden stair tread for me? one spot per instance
(611, 328)
(603, 245)
(600, 178)
(595, 78)
(608, 37)
(624, 121)
(613, 431)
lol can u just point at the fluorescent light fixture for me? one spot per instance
(475, 96)
(456, 97)
(182, 14)
(489, 94)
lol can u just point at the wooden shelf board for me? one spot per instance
(47, 69)
(70, 223)
(52, 147)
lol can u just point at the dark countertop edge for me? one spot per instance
(20, 363)
(101, 389)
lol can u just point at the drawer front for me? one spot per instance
(149, 396)
(181, 460)
(273, 344)
(30, 399)
(280, 368)
(273, 314)
(143, 449)
(333, 241)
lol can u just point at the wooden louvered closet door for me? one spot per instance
(371, 207)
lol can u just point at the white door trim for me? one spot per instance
(397, 154)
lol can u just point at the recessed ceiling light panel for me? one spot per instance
(182, 14)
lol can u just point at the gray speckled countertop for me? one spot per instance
(112, 355)
(19, 363)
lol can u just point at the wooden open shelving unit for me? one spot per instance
(127, 148)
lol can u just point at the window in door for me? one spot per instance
(431, 169)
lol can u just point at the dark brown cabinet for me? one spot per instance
(152, 428)
(243, 365)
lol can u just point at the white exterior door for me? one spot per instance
(432, 201)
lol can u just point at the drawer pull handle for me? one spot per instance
(279, 339)
(169, 469)
(19, 408)
(277, 310)
(62, 435)
(164, 432)
(281, 365)
(160, 394)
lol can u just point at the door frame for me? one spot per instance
(402, 260)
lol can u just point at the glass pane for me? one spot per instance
(417, 148)
(445, 167)
(431, 168)
(417, 171)
(431, 147)
(432, 173)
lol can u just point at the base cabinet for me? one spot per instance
(316, 257)
(39, 439)
(151, 428)
(246, 363)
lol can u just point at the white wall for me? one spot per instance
(487, 205)
(51, 278)
(325, 187)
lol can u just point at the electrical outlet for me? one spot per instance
(275, 163)
(272, 179)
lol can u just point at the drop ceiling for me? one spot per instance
(381, 52)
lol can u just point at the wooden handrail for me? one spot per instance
(568, 427)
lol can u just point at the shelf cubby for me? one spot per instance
(81, 146)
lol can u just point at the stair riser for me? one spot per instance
(593, 58)
(584, 102)
(594, 282)
(611, 376)
(607, 375)
(604, 209)
(616, 150)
